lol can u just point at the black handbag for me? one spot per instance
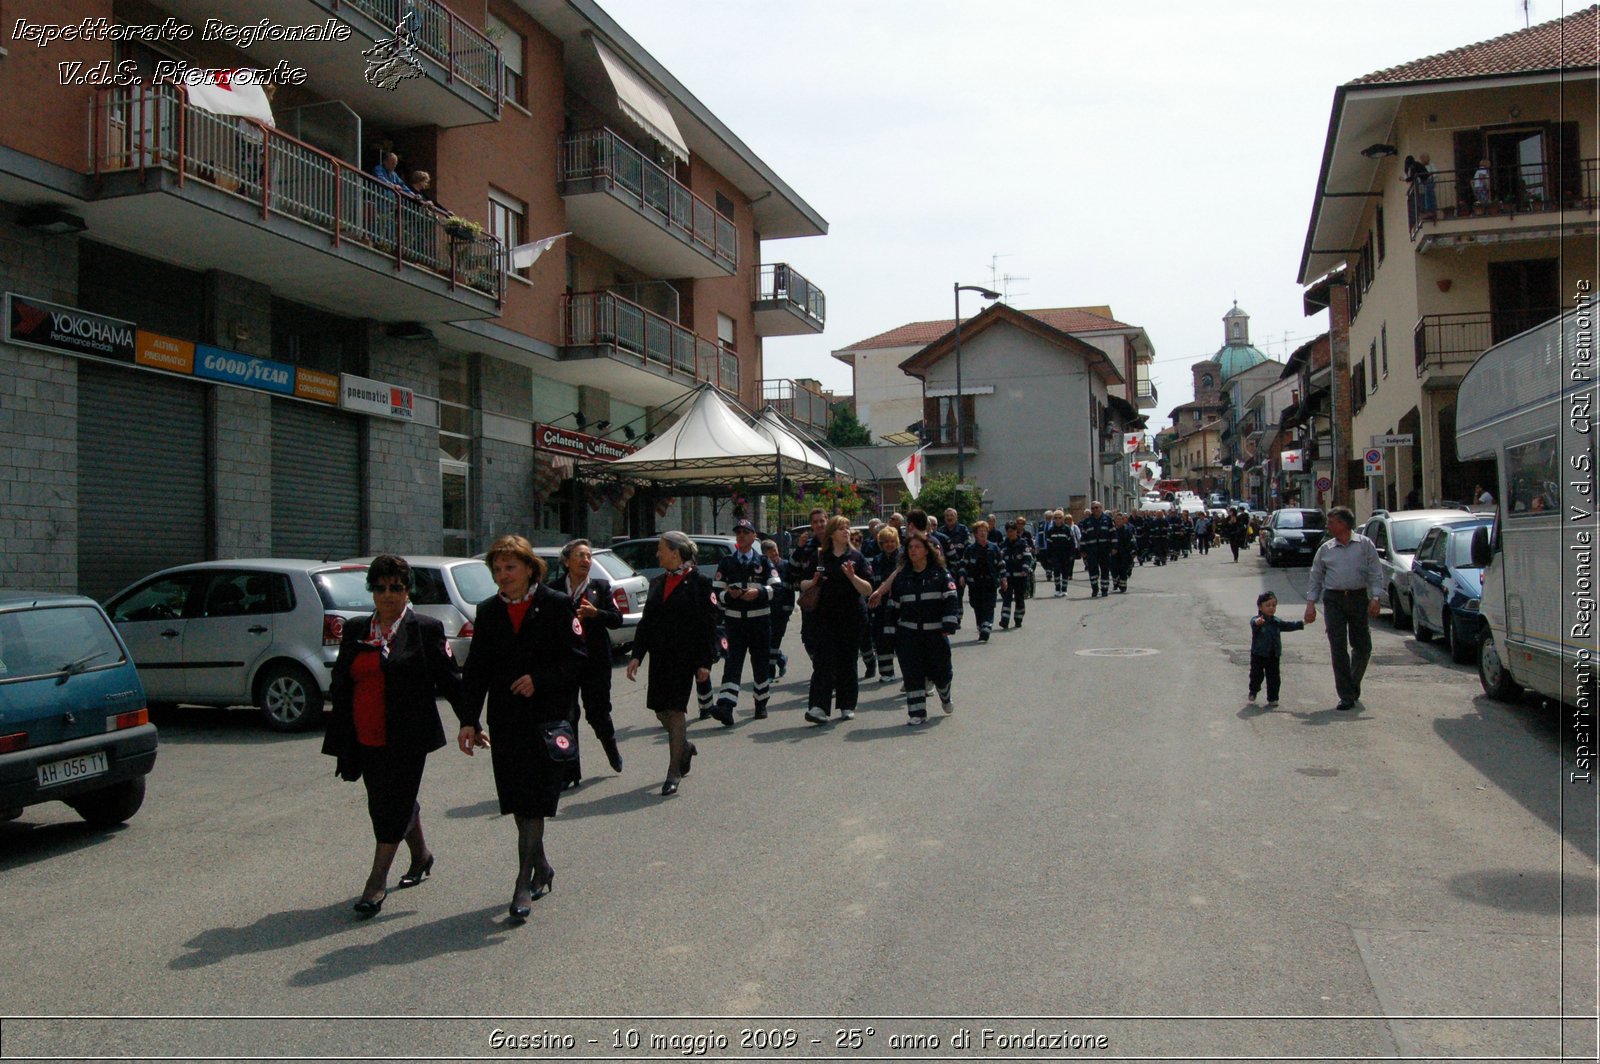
(560, 741)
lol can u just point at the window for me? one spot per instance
(725, 332)
(510, 43)
(161, 599)
(241, 594)
(1532, 477)
(724, 206)
(939, 420)
(1372, 366)
(56, 640)
(1382, 248)
(455, 449)
(506, 222)
(1358, 387)
(1383, 335)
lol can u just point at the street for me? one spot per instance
(1104, 830)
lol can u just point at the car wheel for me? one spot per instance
(1397, 616)
(1461, 644)
(1423, 633)
(1492, 672)
(111, 806)
(289, 698)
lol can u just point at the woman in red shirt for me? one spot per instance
(391, 668)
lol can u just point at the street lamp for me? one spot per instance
(961, 437)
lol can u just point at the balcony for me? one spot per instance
(623, 337)
(459, 66)
(786, 304)
(216, 192)
(947, 436)
(1447, 345)
(1146, 395)
(797, 403)
(626, 205)
(1527, 202)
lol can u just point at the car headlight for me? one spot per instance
(1279, 541)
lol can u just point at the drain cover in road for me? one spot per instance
(1118, 652)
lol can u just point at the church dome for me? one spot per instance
(1236, 353)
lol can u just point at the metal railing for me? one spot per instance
(153, 127)
(603, 155)
(1453, 342)
(1503, 190)
(797, 402)
(464, 51)
(595, 319)
(779, 281)
(946, 435)
(1146, 389)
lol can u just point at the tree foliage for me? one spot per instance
(939, 494)
(844, 430)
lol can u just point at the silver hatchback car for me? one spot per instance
(250, 631)
(1397, 535)
(448, 590)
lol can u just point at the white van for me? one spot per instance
(1520, 405)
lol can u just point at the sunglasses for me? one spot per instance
(393, 589)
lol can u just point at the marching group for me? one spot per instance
(889, 596)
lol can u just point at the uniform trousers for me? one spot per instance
(780, 625)
(924, 659)
(1123, 566)
(752, 636)
(1063, 564)
(834, 642)
(1099, 566)
(983, 597)
(1015, 595)
(881, 623)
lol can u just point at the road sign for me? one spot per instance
(1373, 460)
(966, 487)
(1401, 439)
(1324, 484)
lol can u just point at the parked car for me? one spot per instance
(629, 588)
(1396, 536)
(251, 631)
(1447, 587)
(1292, 534)
(448, 590)
(641, 553)
(74, 725)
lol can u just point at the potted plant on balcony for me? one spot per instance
(461, 228)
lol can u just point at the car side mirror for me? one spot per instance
(1481, 551)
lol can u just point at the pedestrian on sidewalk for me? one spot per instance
(1266, 646)
(1347, 578)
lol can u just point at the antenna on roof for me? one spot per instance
(1005, 286)
(994, 271)
(1527, 13)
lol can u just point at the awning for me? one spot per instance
(644, 105)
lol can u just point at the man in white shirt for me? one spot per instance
(1347, 578)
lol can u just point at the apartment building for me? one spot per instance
(227, 335)
(889, 402)
(1307, 424)
(1492, 241)
(1192, 447)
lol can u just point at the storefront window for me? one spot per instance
(455, 450)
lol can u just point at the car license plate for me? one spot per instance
(73, 768)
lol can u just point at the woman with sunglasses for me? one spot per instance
(526, 654)
(384, 723)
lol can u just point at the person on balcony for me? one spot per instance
(388, 172)
(1480, 184)
(421, 185)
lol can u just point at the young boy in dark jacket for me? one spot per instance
(1266, 645)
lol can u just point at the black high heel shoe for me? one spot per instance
(686, 762)
(669, 788)
(543, 881)
(411, 879)
(518, 911)
(367, 908)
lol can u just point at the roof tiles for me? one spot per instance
(1566, 43)
(922, 333)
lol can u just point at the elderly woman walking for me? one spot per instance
(838, 572)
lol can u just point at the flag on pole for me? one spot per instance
(1131, 441)
(1294, 461)
(911, 471)
(525, 255)
(224, 92)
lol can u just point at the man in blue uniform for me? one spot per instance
(744, 582)
(1122, 562)
(1064, 545)
(1019, 569)
(983, 571)
(1099, 541)
(953, 537)
(782, 605)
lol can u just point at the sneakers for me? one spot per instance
(1004, 623)
(983, 637)
(847, 714)
(871, 670)
(912, 722)
(761, 713)
(948, 705)
(816, 716)
(1253, 696)
(1272, 703)
(886, 677)
(1019, 623)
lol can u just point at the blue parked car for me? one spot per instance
(74, 726)
(1446, 587)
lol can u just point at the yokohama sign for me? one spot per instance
(579, 444)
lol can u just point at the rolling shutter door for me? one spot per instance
(316, 482)
(141, 476)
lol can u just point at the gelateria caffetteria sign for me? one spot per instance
(579, 444)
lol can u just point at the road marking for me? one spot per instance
(1118, 652)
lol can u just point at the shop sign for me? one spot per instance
(164, 352)
(52, 327)
(247, 371)
(315, 385)
(367, 396)
(579, 444)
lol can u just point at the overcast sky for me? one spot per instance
(1159, 157)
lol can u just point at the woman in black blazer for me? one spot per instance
(679, 632)
(526, 652)
(391, 667)
(591, 596)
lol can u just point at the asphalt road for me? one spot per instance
(1113, 845)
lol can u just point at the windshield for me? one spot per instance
(1405, 535)
(48, 642)
(344, 589)
(1299, 519)
(473, 580)
(613, 566)
(1461, 549)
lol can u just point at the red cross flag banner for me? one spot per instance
(1294, 461)
(1131, 441)
(231, 92)
(910, 468)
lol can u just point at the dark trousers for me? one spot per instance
(1062, 565)
(1014, 596)
(960, 600)
(1235, 544)
(869, 656)
(1099, 566)
(1264, 667)
(835, 641)
(780, 625)
(924, 659)
(881, 623)
(1350, 640)
(1203, 543)
(751, 636)
(983, 598)
(1122, 568)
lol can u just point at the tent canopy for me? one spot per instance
(711, 446)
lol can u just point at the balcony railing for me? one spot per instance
(596, 319)
(466, 54)
(1504, 190)
(797, 402)
(948, 435)
(1146, 390)
(602, 155)
(780, 282)
(153, 127)
(1451, 343)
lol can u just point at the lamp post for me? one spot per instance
(961, 433)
